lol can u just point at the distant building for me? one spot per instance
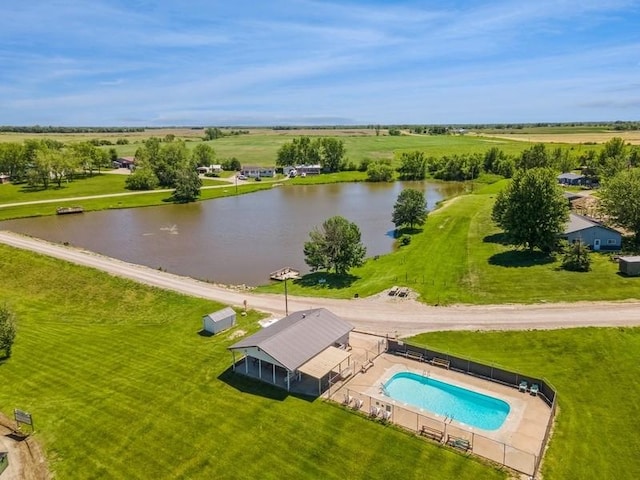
(572, 179)
(4, 178)
(125, 162)
(253, 172)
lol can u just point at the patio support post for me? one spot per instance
(288, 380)
(246, 364)
(233, 366)
(274, 373)
(260, 369)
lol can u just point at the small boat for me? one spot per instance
(67, 210)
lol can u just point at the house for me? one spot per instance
(572, 179)
(309, 169)
(592, 233)
(210, 169)
(125, 162)
(4, 178)
(308, 345)
(218, 321)
(254, 172)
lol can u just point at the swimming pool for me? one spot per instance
(448, 400)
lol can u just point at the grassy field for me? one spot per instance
(595, 372)
(460, 257)
(121, 385)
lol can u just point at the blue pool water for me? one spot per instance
(463, 405)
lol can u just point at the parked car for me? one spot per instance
(258, 179)
(242, 177)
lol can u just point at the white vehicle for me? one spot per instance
(242, 177)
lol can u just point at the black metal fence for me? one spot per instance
(490, 372)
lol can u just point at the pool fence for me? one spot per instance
(443, 431)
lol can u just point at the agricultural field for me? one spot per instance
(121, 385)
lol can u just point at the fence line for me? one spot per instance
(443, 432)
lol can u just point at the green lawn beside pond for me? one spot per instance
(460, 257)
(121, 385)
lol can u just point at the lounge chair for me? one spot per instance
(357, 404)
(373, 411)
(523, 386)
(347, 399)
(534, 389)
(385, 414)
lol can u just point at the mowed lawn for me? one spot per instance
(121, 385)
(595, 372)
(460, 257)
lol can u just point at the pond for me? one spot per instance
(233, 240)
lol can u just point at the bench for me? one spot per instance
(366, 366)
(432, 433)
(414, 355)
(459, 443)
(440, 362)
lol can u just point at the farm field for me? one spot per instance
(632, 137)
(460, 257)
(596, 426)
(260, 146)
(121, 385)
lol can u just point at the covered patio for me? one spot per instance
(305, 352)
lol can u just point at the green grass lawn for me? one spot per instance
(121, 385)
(595, 372)
(128, 201)
(460, 257)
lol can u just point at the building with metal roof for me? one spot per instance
(311, 343)
(592, 233)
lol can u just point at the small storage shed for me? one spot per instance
(217, 321)
(630, 266)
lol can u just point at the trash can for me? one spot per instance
(4, 461)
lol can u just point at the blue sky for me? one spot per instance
(139, 62)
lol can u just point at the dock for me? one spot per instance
(286, 273)
(67, 210)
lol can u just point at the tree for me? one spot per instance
(7, 330)
(336, 245)
(332, 158)
(413, 166)
(379, 171)
(410, 208)
(13, 161)
(203, 155)
(142, 178)
(576, 257)
(287, 155)
(613, 158)
(532, 209)
(213, 133)
(188, 183)
(232, 165)
(534, 157)
(619, 201)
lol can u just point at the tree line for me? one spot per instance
(328, 152)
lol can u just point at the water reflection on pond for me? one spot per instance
(233, 240)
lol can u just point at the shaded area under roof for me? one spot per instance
(296, 339)
(324, 362)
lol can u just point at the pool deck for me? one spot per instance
(515, 443)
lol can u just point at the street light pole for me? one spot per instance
(236, 184)
(286, 300)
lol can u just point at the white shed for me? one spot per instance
(217, 321)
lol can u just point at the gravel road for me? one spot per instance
(378, 314)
